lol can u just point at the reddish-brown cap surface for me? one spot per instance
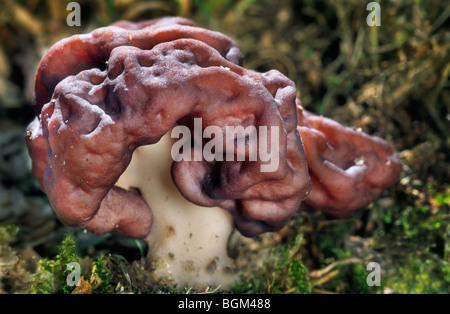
(99, 96)
(348, 169)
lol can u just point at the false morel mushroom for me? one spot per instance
(348, 168)
(111, 106)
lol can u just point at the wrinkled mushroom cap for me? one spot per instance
(348, 169)
(100, 96)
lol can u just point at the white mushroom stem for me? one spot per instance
(187, 243)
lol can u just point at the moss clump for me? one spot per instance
(423, 273)
(15, 276)
(12, 275)
(64, 271)
(61, 267)
(421, 276)
(358, 282)
(281, 272)
(57, 275)
(7, 236)
(102, 276)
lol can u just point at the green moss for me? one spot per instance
(50, 275)
(419, 276)
(42, 280)
(419, 236)
(358, 282)
(67, 254)
(103, 273)
(13, 273)
(421, 224)
(442, 199)
(282, 272)
(7, 236)
(171, 290)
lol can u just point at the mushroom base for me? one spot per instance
(187, 243)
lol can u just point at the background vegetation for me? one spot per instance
(390, 81)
